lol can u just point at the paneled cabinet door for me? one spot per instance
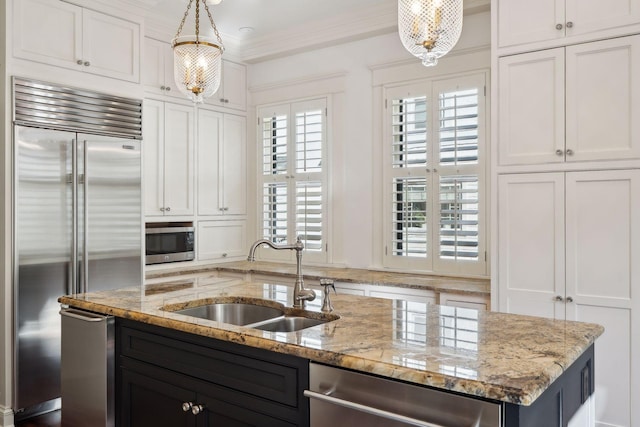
(531, 244)
(233, 87)
(222, 164)
(523, 21)
(168, 158)
(531, 108)
(591, 117)
(218, 240)
(69, 36)
(602, 278)
(157, 75)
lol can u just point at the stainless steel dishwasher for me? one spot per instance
(87, 369)
(339, 397)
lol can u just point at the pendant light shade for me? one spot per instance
(197, 60)
(429, 29)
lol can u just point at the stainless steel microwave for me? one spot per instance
(169, 244)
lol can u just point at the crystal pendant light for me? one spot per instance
(429, 29)
(197, 60)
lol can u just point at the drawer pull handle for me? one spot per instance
(369, 410)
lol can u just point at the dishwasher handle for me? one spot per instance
(368, 409)
(82, 315)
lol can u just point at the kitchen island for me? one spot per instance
(512, 360)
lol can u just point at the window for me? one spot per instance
(434, 176)
(293, 176)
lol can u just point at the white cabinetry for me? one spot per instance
(573, 104)
(525, 21)
(168, 158)
(218, 240)
(233, 87)
(569, 248)
(222, 164)
(61, 34)
(157, 73)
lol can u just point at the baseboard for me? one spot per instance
(6, 417)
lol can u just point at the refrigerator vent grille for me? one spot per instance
(58, 107)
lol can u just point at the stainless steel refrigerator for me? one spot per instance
(77, 219)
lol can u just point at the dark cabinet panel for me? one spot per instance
(231, 385)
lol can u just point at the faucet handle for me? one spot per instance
(327, 285)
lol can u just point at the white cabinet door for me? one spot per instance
(111, 46)
(603, 100)
(157, 75)
(65, 35)
(222, 165)
(234, 170)
(531, 244)
(178, 159)
(589, 16)
(525, 21)
(209, 160)
(221, 239)
(168, 147)
(531, 108)
(47, 31)
(602, 262)
(153, 155)
(233, 87)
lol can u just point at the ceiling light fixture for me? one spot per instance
(197, 60)
(429, 29)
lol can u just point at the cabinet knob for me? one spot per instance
(569, 24)
(168, 89)
(167, 209)
(224, 255)
(79, 62)
(558, 26)
(569, 152)
(86, 63)
(161, 209)
(163, 88)
(569, 299)
(559, 298)
(196, 409)
(186, 406)
(559, 152)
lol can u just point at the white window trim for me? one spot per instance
(433, 264)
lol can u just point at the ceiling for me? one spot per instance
(282, 27)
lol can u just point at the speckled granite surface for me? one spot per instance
(494, 355)
(480, 287)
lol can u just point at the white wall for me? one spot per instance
(351, 73)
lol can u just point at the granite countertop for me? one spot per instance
(499, 356)
(459, 285)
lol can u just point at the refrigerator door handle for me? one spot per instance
(73, 288)
(85, 220)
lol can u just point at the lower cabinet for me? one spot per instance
(171, 378)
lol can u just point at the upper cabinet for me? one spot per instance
(525, 21)
(233, 87)
(61, 34)
(157, 73)
(571, 104)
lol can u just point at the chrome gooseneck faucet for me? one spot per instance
(300, 294)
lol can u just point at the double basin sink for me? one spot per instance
(254, 313)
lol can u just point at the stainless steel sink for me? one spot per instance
(289, 324)
(253, 313)
(239, 314)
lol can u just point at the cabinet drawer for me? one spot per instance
(258, 372)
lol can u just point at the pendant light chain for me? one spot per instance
(184, 18)
(213, 24)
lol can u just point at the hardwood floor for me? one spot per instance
(52, 419)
